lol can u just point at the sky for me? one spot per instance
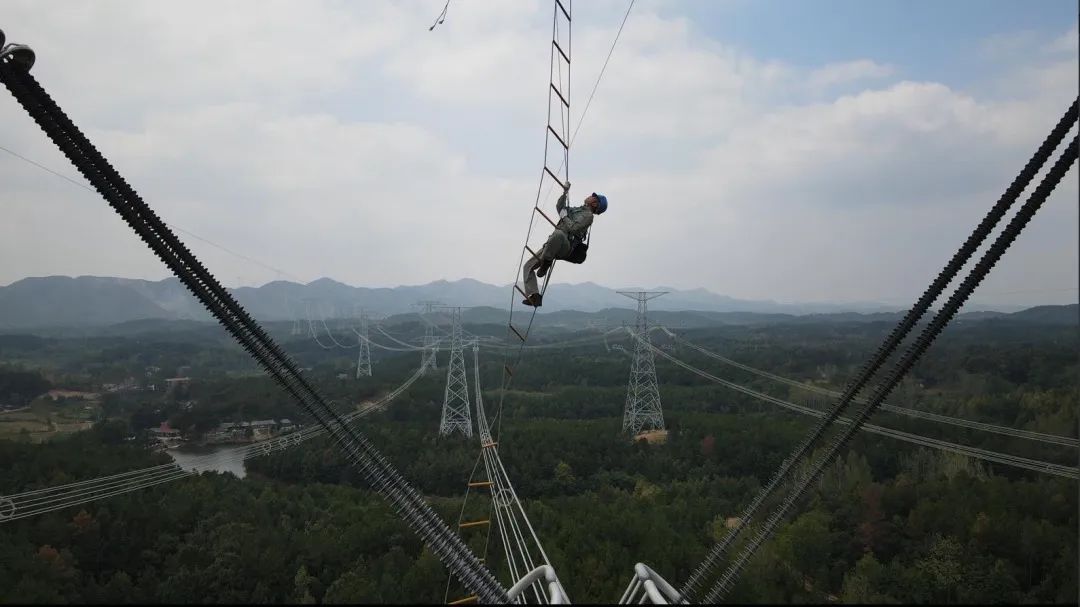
(792, 151)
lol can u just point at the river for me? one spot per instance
(222, 458)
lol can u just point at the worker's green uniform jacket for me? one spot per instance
(575, 221)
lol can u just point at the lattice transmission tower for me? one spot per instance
(455, 411)
(297, 326)
(642, 410)
(427, 355)
(363, 359)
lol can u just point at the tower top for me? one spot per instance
(642, 295)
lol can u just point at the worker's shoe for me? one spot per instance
(535, 300)
(545, 265)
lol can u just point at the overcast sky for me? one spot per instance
(794, 151)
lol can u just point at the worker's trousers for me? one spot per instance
(556, 247)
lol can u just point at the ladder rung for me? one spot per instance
(563, 143)
(531, 252)
(544, 215)
(475, 523)
(561, 98)
(520, 291)
(557, 180)
(464, 601)
(489, 445)
(564, 55)
(520, 336)
(481, 484)
(509, 371)
(559, 4)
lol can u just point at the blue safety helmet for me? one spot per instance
(602, 205)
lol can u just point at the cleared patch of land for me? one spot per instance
(45, 418)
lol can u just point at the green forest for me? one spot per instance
(889, 522)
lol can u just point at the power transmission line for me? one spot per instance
(906, 411)
(246, 258)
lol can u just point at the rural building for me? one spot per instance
(166, 435)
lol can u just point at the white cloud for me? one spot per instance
(1069, 42)
(119, 56)
(348, 141)
(847, 73)
(1007, 45)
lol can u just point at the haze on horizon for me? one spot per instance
(837, 152)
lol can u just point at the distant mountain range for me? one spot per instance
(88, 301)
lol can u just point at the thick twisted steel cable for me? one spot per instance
(906, 411)
(915, 351)
(383, 477)
(936, 288)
